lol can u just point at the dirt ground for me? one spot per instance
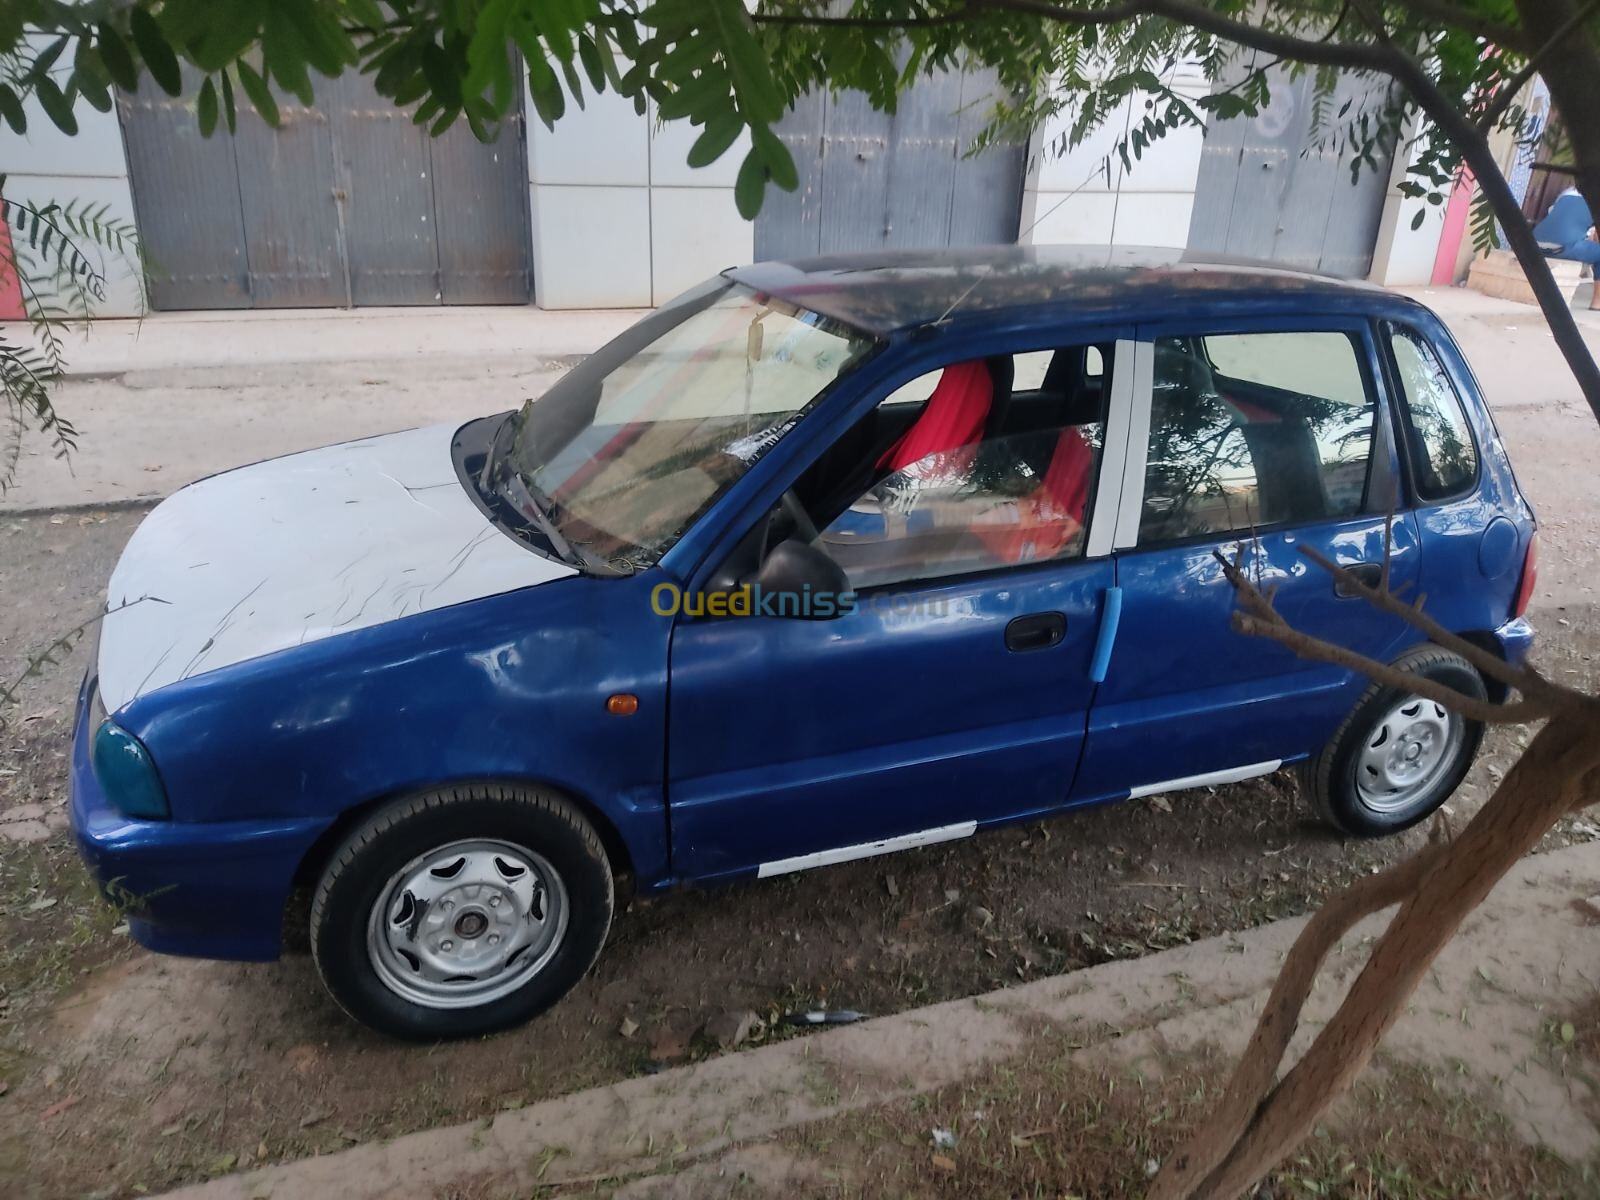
(1036, 1128)
(126, 1072)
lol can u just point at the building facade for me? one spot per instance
(347, 203)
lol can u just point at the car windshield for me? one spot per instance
(621, 456)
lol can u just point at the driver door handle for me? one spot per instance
(1036, 631)
(1370, 574)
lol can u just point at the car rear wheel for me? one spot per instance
(1398, 756)
(462, 911)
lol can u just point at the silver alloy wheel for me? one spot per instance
(1406, 753)
(467, 923)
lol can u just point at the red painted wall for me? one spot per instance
(10, 288)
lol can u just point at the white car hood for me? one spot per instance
(300, 548)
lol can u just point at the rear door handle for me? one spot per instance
(1036, 631)
(1370, 574)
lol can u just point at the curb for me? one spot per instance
(651, 1128)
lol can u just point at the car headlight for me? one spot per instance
(127, 774)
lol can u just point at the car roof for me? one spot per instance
(886, 291)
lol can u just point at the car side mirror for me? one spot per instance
(800, 579)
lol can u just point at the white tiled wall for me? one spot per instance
(1402, 255)
(1079, 197)
(89, 166)
(619, 217)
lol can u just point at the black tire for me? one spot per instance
(1329, 779)
(360, 873)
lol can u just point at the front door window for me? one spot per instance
(970, 472)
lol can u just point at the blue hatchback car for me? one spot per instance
(822, 560)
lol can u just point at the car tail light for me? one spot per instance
(1530, 577)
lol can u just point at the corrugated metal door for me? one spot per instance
(344, 203)
(1267, 190)
(869, 180)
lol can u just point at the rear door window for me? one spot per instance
(1444, 458)
(1253, 430)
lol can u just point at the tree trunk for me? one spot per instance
(1551, 779)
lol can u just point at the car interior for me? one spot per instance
(1051, 425)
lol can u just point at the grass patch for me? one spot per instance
(54, 926)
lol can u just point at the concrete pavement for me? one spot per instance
(164, 401)
(1478, 1023)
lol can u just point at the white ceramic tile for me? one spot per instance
(695, 232)
(1404, 256)
(124, 287)
(1171, 164)
(591, 246)
(1082, 167)
(605, 142)
(1153, 218)
(1084, 219)
(669, 152)
(96, 149)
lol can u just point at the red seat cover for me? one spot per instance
(953, 417)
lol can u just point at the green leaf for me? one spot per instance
(90, 77)
(702, 93)
(153, 48)
(439, 71)
(114, 54)
(747, 63)
(780, 163)
(1418, 217)
(11, 109)
(206, 108)
(230, 112)
(593, 65)
(366, 12)
(751, 186)
(326, 45)
(47, 57)
(574, 84)
(720, 133)
(259, 94)
(56, 106)
(283, 57)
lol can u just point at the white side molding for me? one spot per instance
(1210, 779)
(826, 858)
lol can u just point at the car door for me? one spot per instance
(954, 690)
(1271, 438)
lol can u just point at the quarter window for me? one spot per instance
(1444, 459)
(1255, 429)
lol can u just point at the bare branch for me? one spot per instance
(1258, 618)
(1524, 679)
(1258, 1066)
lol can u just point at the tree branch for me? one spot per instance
(1524, 679)
(1258, 1066)
(1442, 12)
(1506, 94)
(1258, 618)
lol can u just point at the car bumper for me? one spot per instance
(203, 889)
(1516, 639)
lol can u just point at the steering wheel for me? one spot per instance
(804, 525)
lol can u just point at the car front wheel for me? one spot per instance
(1398, 756)
(461, 911)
